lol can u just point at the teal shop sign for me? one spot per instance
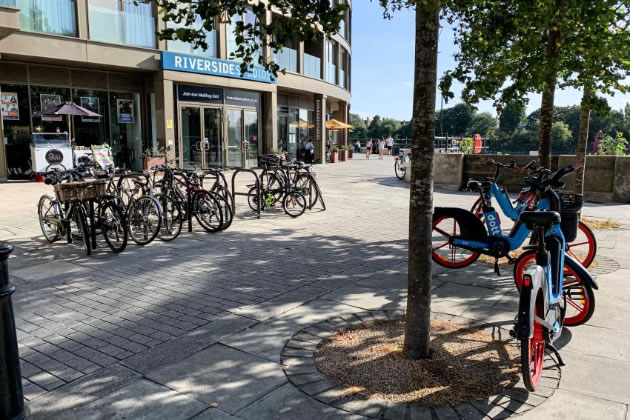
(212, 66)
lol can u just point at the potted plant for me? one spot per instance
(154, 156)
(334, 154)
(344, 153)
(279, 152)
(349, 148)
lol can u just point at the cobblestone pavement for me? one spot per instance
(163, 331)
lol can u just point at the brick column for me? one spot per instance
(270, 112)
(165, 114)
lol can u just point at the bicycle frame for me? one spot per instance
(515, 238)
(505, 203)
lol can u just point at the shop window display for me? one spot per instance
(17, 129)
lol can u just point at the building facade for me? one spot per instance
(160, 95)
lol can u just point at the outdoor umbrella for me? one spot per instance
(69, 109)
(335, 124)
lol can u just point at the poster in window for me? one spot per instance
(124, 108)
(10, 109)
(91, 104)
(48, 102)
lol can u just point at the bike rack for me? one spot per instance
(234, 193)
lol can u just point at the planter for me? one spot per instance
(343, 154)
(150, 162)
(349, 153)
(334, 157)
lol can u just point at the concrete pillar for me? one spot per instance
(324, 60)
(222, 28)
(271, 121)
(165, 114)
(343, 117)
(160, 25)
(301, 58)
(320, 128)
(82, 20)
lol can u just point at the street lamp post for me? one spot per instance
(11, 393)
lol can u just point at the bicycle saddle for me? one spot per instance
(478, 185)
(544, 219)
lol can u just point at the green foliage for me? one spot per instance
(294, 20)
(613, 145)
(510, 118)
(561, 136)
(453, 121)
(482, 123)
(467, 145)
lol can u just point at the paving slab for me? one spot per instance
(50, 270)
(281, 304)
(264, 339)
(83, 391)
(317, 310)
(572, 405)
(175, 350)
(214, 414)
(231, 378)
(365, 297)
(141, 399)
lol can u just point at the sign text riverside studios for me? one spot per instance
(212, 66)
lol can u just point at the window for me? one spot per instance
(248, 18)
(50, 16)
(89, 131)
(187, 47)
(122, 22)
(312, 59)
(126, 129)
(331, 61)
(287, 58)
(343, 69)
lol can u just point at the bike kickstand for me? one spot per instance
(511, 260)
(555, 351)
(496, 267)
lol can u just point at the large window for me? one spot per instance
(287, 58)
(126, 129)
(90, 130)
(295, 128)
(248, 18)
(312, 59)
(331, 61)
(50, 16)
(17, 130)
(343, 69)
(122, 22)
(188, 48)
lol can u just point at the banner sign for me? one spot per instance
(242, 97)
(91, 104)
(212, 66)
(199, 94)
(102, 155)
(124, 108)
(49, 102)
(10, 109)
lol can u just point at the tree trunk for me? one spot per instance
(418, 322)
(546, 107)
(580, 153)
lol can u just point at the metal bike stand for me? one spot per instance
(92, 228)
(234, 193)
(188, 207)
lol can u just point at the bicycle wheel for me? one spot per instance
(275, 184)
(226, 210)
(172, 218)
(306, 182)
(533, 350)
(50, 215)
(253, 199)
(207, 211)
(584, 247)
(442, 251)
(399, 169)
(81, 229)
(112, 223)
(144, 219)
(294, 203)
(580, 298)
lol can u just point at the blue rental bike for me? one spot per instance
(581, 244)
(542, 304)
(460, 237)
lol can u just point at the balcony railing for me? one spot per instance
(312, 66)
(331, 73)
(287, 59)
(122, 27)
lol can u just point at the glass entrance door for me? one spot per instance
(191, 136)
(234, 153)
(212, 136)
(251, 136)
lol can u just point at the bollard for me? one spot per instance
(11, 394)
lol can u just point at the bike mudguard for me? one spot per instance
(580, 271)
(525, 325)
(471, 227)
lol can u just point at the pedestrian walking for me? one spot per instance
(368, 148)
(381, 148)
(309, 149)
(390, 144)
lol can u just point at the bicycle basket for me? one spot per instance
(83, 190)
(570, 207)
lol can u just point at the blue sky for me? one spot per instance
(382, 66)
